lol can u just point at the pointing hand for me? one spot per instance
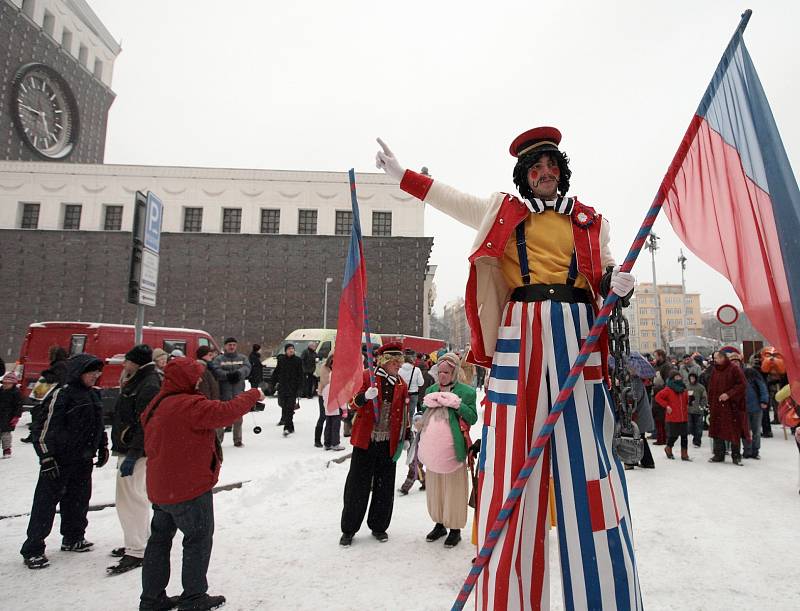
(386, 161)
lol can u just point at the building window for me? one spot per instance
(28, 7)
(113, 218)
(231, 220)
(49, 23)
(307, 222)
(30, 216)
(72, 216)
(83, 56)
(193, 220)
(344, 222)
(98, 69)
(66, 40)
(270, 220)
(382, 224)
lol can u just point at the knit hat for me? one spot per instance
(140, 354)
(177, 353)
(158, 353)
(202, 351)
(452, 359)
(10, 378)
(229, 340)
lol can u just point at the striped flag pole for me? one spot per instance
(569, 384)
(370, 353)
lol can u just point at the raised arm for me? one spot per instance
(465, 208)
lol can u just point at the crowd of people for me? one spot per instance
(172, 412)
(678, 398)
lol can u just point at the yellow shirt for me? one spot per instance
(549, 242)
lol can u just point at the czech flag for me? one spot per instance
(732, 198)
(348, 368)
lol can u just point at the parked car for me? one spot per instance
(301, 338)
(106, 341)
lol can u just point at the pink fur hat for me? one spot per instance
(442, 399)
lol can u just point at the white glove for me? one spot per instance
(261, 395)
(371, 393)
(622, 283)
(386, 161)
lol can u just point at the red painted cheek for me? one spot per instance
(555, 171)
(533, 175)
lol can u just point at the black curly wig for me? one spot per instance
(525, 163)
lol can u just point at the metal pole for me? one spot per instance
(138, 334)
(682, 261)
(652, 246)
(325, 305)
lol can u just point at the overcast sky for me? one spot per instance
(309, 85)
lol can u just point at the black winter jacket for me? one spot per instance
(71, 429)
(127, 436)
(256, 370)
(288, 375)
(10, 407)
(309, 358)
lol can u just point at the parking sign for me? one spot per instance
(152, 225)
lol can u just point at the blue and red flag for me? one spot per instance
(732, 198)
(347, 374)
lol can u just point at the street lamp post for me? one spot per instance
(652, 246)
(325, 305)
(682, 260)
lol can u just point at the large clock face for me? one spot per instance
(44, 111)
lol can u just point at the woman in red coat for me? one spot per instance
(726, 397)
(676, 401)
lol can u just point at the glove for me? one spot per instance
(13, 423)
(386, 161)
(127, 466)
(234, 377)
(49, 468)
(371, 393)
(622, 283)
(102, 457)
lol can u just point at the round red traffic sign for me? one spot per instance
(727, 314)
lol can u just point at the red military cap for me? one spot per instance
(536, 139)
(392, 348)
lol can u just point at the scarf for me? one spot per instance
(677, 385)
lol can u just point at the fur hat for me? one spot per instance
(140, 354)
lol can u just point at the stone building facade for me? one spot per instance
(66, 36)
(256, 287)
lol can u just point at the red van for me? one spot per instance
(107, 342)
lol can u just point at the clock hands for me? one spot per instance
(26, 107)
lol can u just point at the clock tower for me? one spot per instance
(56, 64)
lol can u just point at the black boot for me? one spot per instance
(346, 540)
(453, 538)
(126, 563)
(438, 532)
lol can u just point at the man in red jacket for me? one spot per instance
(379, 429)
(183, 465)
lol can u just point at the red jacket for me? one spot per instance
(728, 419)
(679, 402)
(364, 419)
(180, 443)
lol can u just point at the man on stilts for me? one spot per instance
(538, 267)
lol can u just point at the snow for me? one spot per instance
(708, 536)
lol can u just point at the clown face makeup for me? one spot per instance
(543, 177)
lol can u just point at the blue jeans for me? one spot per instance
(751, 448)
(195, 519)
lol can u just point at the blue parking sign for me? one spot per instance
(152, 224)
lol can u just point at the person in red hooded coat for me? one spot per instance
(728, 411)
(183, 466)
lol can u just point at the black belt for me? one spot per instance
(551, 292)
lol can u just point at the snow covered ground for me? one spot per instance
(708, 536)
